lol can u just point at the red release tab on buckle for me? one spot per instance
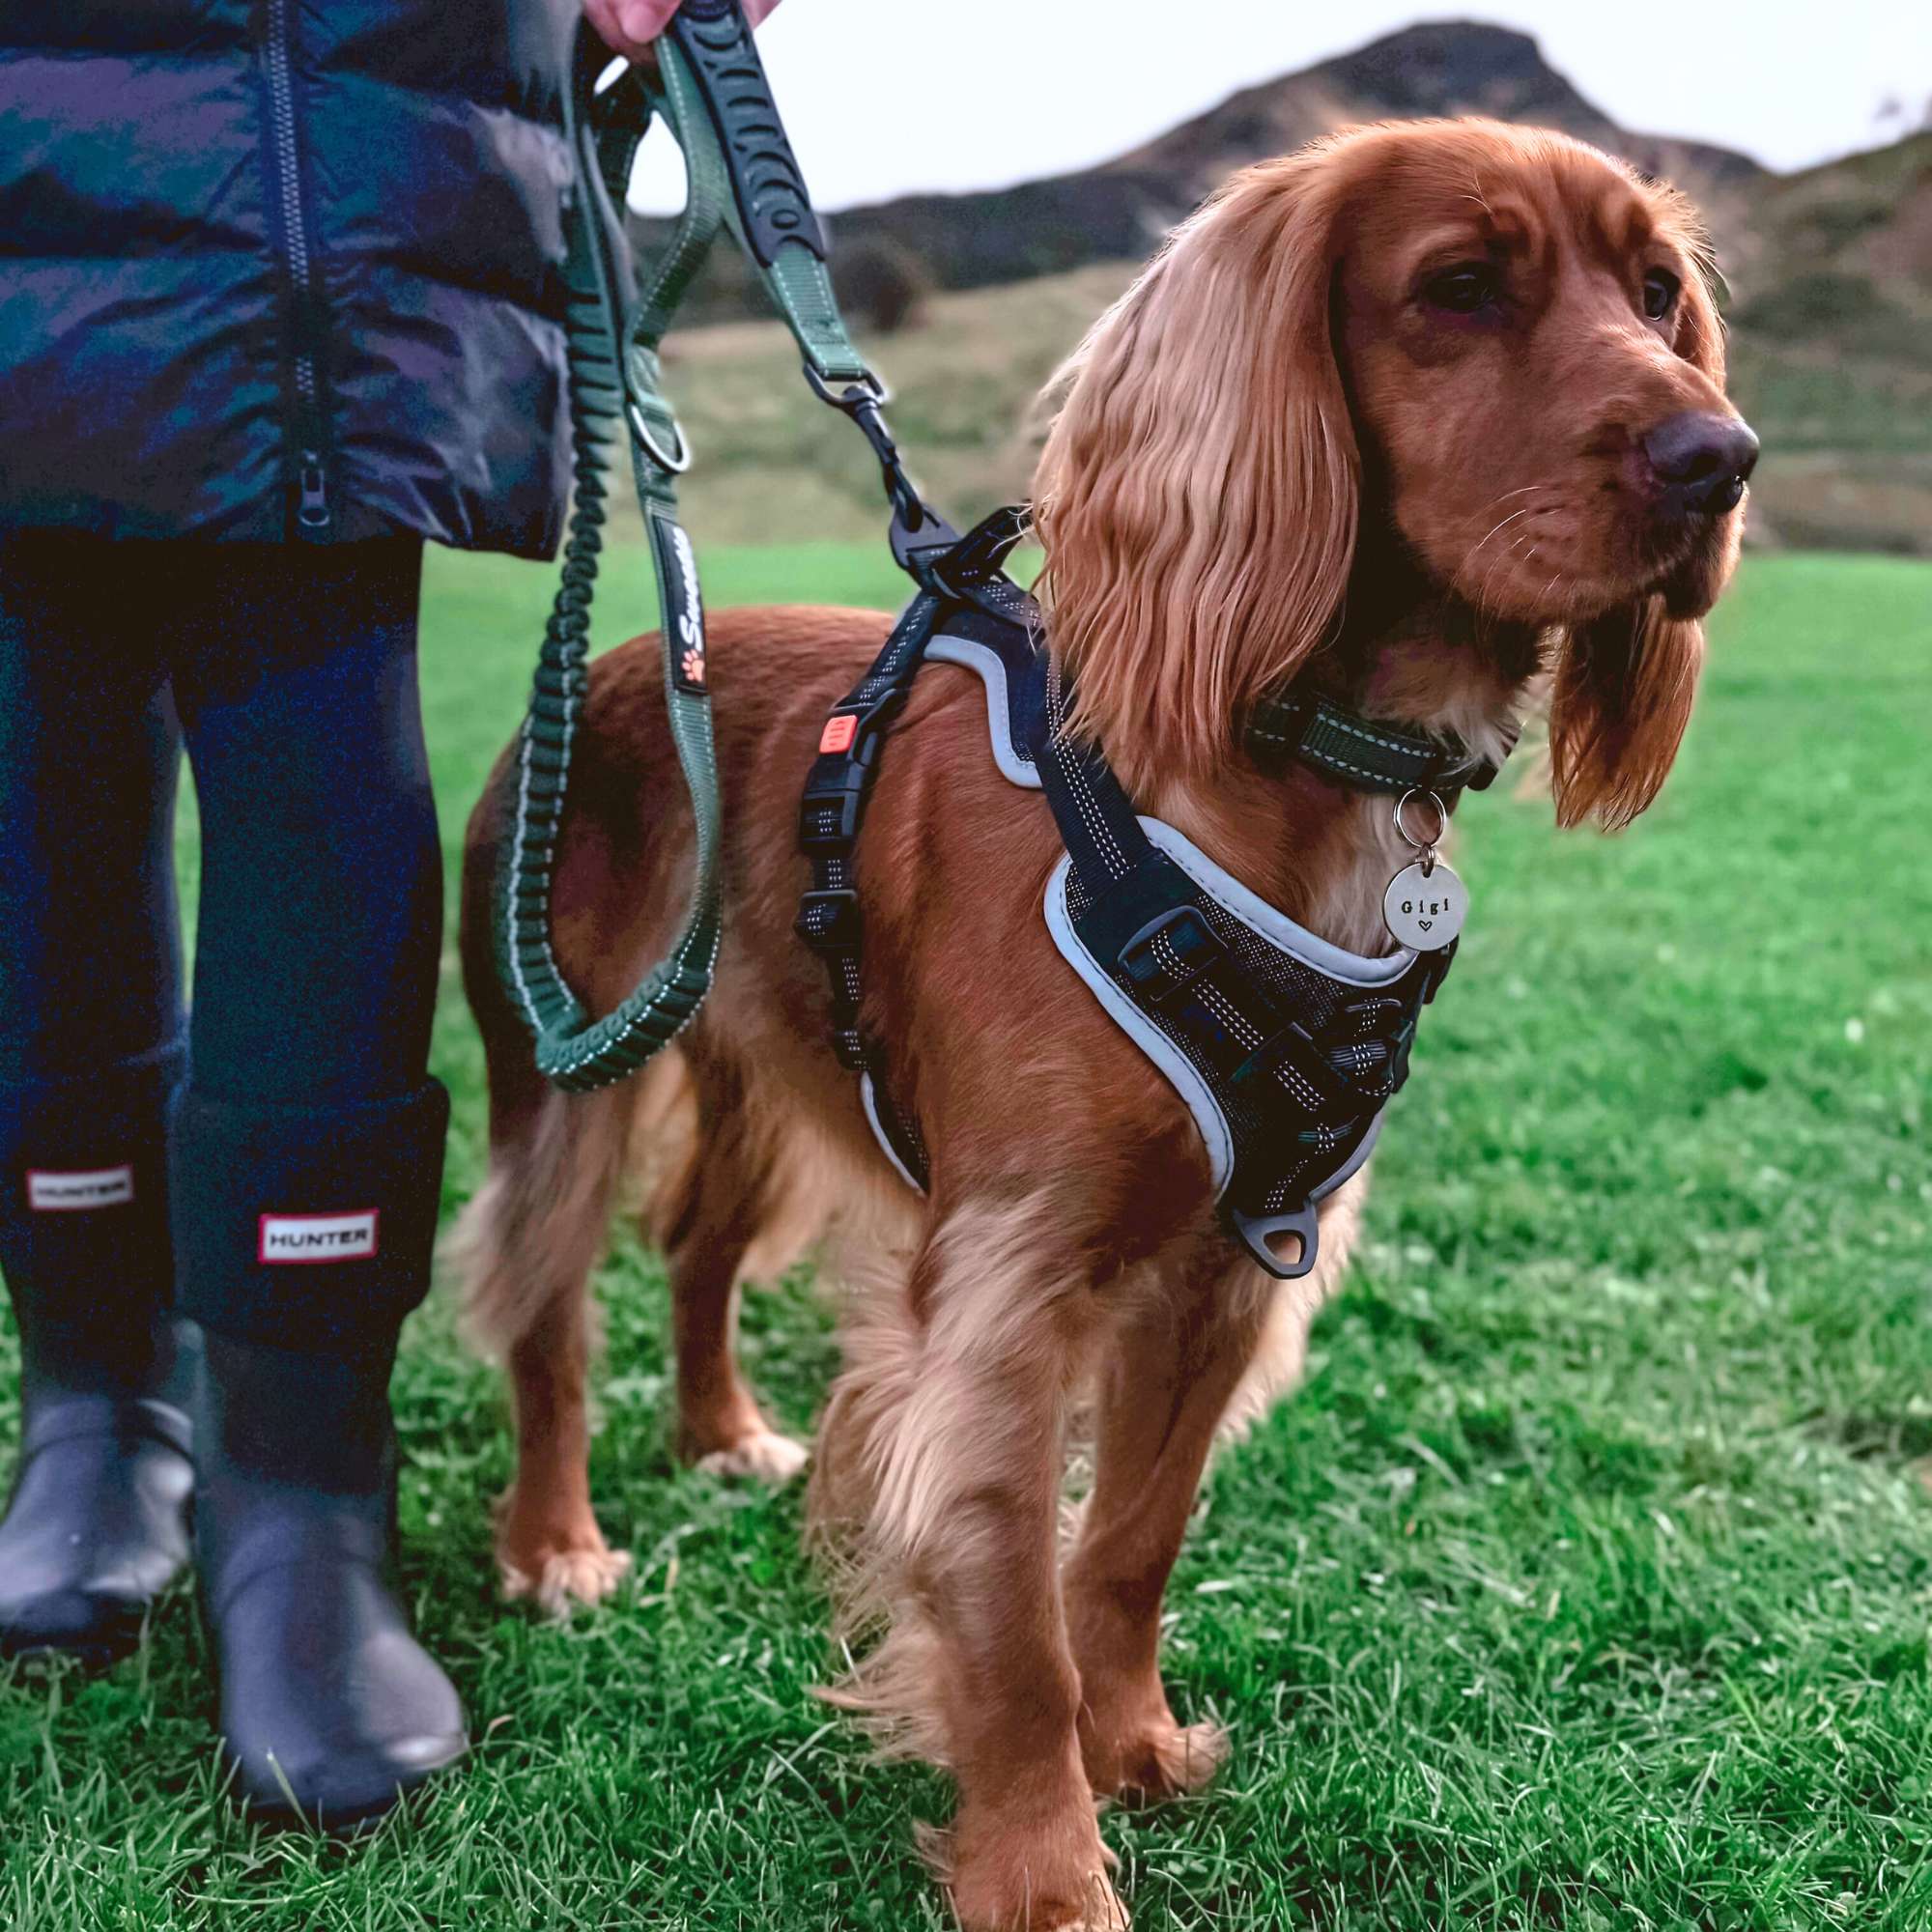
(839, 731)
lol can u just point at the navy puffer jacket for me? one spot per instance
(284, 268)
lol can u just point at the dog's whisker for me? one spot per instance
(1481, 600)
(1495, 530)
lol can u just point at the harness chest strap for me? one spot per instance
(1285, 1047)
(836, 790)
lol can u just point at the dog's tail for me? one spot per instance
(536, 1228)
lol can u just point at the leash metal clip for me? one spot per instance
(870, 390)
(919, 535)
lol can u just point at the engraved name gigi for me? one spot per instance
(1424, 905)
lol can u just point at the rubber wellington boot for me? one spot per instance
(331, 1710)
(96, 1528)
(97, 1523)
(302, 1238)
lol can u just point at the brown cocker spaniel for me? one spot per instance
(1428, 417)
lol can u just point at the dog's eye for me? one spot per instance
(1464, 289)
(1660, 291)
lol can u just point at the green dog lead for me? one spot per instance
(712, 93)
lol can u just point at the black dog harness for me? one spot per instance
(1285, 1047)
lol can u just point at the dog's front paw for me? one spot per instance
(764, 1453)
(1008, 1896)
(1028, 1873)
(566, 1579)
(556, 1568)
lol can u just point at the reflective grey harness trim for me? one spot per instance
(869, 1101)
(1275, 927)
(1015, 760)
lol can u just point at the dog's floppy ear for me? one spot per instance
(1625, 680)
(1197, 494)
(1622, 698)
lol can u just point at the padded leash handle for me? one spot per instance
(766, 184)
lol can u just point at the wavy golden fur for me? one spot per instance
(1429, 419)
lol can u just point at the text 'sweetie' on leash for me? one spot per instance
(711, 93)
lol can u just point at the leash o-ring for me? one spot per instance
(672, 463)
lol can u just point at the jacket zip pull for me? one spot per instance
(313, 513)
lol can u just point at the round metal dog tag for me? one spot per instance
(1425, 910)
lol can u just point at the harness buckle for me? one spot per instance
(828, 812)
(1294, 1047)
(828, 919)
(971, 562)
(835, 790)
(923, 542)
(1191, 949)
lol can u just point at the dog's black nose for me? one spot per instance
(1703, 459)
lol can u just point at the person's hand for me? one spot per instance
(630, 26)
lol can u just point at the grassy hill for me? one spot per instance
(772, 463)
(1832, 346)
(1830, 274)
(1845, 405)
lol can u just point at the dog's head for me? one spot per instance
(1493, 349)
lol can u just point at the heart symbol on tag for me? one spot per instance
(1424, 924)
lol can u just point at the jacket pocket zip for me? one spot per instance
(314, 515)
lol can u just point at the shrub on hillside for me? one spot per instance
(881, 283)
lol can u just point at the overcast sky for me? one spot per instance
(886, 96)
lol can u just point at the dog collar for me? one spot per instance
(1361, 753)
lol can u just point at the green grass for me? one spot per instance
(1586, 1583)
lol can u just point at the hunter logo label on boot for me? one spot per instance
(318, 1237)
(51, 1191)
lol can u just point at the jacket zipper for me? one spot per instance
(314, 515)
